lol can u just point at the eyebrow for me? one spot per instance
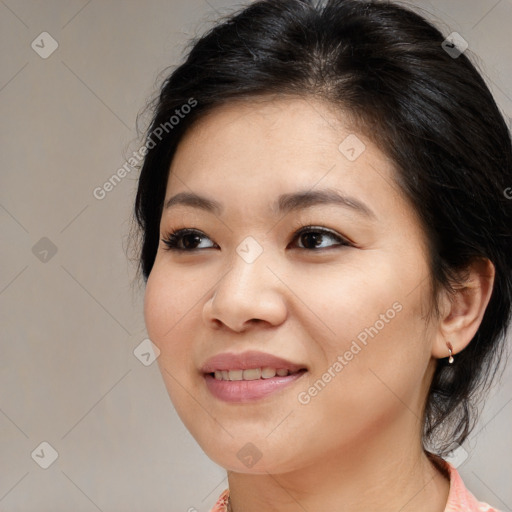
(285, 203)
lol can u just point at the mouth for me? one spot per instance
(253, 365)
(251, 374)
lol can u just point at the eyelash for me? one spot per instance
(172, 239)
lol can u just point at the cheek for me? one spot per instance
(168, 304)
(168, 310)
(169, 299)
(157, 310)
(346, 300)
(373, 336)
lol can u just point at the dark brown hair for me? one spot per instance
(430, 111)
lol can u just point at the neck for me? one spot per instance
(374, 475)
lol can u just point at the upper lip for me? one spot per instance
(247, 360)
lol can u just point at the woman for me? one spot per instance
(326, 241)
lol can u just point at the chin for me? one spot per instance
(251, 458)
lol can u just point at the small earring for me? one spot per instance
(450, 348)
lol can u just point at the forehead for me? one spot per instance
(246, 155)
(275, 141)
(273, 123)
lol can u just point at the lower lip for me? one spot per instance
(248, 390)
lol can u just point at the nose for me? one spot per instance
(247, 294)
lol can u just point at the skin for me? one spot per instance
(356, 446)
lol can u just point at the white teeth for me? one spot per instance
(250, 374)
(236, 374)
(268, 373)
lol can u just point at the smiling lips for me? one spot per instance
(248, 376)
(251, 373)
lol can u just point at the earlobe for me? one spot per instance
(450, 349)
(462, 311)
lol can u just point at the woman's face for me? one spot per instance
(345, 300)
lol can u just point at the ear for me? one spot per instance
(462, 312)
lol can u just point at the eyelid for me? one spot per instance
(343, 241)
(177, 233)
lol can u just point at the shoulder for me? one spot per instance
(221, 505)
(460, 499)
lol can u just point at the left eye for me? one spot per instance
(189, 240)
(314, 237)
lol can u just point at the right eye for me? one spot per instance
(185, 240)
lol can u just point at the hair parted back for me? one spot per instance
(433, 115)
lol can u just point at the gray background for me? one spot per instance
(71, 320)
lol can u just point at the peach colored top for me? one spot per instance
(459, 498)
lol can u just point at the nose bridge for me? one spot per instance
(248, 268)
(248, 290)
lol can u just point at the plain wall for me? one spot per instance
(71, 319)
